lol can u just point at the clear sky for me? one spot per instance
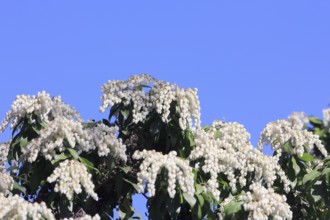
(252, 61)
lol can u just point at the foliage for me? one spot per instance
(76, 168)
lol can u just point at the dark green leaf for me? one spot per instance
(89, 165)
(114, 110)
(106, 122)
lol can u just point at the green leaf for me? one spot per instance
(89, 165)
(23, 142)
(319, 191)
(114, 110)
(217, 134)
(73, 153)
(200, 200)
(306, 157)
(190, 138)
(126, 169)
(295, 166)
(190, 199)
(132, 184)
(287, 147)
(199, 188)
(140, 87)
(232, 208)
(119, 184)
(325, 171)
(311, 176)
(125, 113)
(59, 157)
(19, 188)
(315, 121)
(121, 214)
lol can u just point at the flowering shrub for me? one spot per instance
(58, 166)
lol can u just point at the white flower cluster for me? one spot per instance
(326, 118)
(16, 208)
(159, 97)
(4, 148)
(298, 119)
(42, 105)
(6, 182)
(267, 168)
(178, 170)
(105, 140)
(70, 176)
(280, 132)
(62, 129)
(52, 137)
(226, 149)
(263, 203)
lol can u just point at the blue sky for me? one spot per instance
(252, 61)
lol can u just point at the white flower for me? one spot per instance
(105, 140)
(52, 136)
(4, 148)
(280, 132)
(226, 149)
(298, 119)
(42, 105)
(6, 182)
(158, 97)
(262, 203)
(16, 208)
(71, 177)
(178, 169)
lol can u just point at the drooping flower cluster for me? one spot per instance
(262, 203)
(52, 137)
(298, 119)
(280, 132)
(105, 140)
(226, 149)
(178, 170)
(71, 177)
(4, 148)
(42, 105)
(61, 129)
(158, 96)
(267, 168)
(15, 207)
(6, 182)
